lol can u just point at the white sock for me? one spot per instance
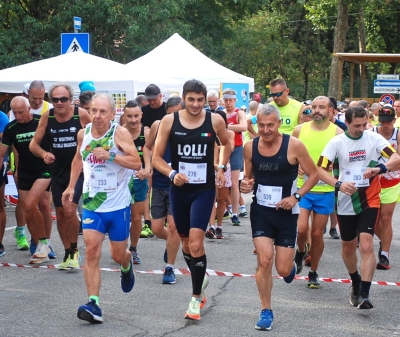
(169, 265)
(385, 254)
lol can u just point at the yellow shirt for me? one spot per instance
(289, 115)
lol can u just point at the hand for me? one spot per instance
(287, 203)
(147, 172)
(348, 188)
(68, 195)
(371, 172)
(100, 153)
(180, 179)
(141, 174)
(246, 185)
(49, 158)
(220, 178)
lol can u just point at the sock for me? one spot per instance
(243, 207)
(43, 240)
(188, 259)
(148, 223)
(73, 247)
(198, 268)
(132, 248)
(125, 270)
(170, 265)
(385, 254)
(212, 226)
(230, 208)
(21, 230)
(96, 298)
(312, 271)
(364, 289)
(355, 277)
(66, 254)
(219, 227)
(234, 214)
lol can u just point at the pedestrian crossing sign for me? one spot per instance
(75, 42)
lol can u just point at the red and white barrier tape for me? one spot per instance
(210, 272)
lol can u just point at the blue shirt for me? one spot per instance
(3, 121)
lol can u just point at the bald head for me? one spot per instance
(19, 101)
(253, 105)
(354, 103)
(21, 109)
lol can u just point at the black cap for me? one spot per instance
(152, 91)
(386, 114)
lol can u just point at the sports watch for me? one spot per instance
(297, 196)
(112, 156)
(338, 184)
(222, 167)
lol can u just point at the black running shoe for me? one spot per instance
(313, 282)
(364, 302)
(210, 234)
(298, 259)
(383, 263)
(354, 294)
(218, 233)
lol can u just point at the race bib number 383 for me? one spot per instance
(355, 175)
(268, 196)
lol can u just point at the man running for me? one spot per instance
(271, 167)
(107, 155)
(191, 134)
(358, 195)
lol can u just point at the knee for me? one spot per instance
(265, 263)
(284, 269)
(196, 248)
(172, 229)
(366, 247)
(157, 229)
(92, 252)
(348, 247)
(386, 220)
(29, 207)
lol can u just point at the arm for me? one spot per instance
(3, 151)
(123, 140)
(242, 124)
(84, 117)
(34, 145)
(250, 128)
(147, 171)
(299, 119)
(148, 148)
(248, 181)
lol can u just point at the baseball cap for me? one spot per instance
(26, 88)
(386, 114)
(257, 97)
(152, 91)
(87, 86)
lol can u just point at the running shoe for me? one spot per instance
(52, 254)
(32, 247)
(298, 259)
(354, 294)
(218, 233)
(193, 311)
(169, 276)
(64, 265)
(2, 251)
(235, 221)
(210, 234)
(135, 257)
(203, 298)
(146, 232)
(128, 279)
(227, 215)
(383, 263)
(22, 242)
(74, 259)
(364, 302)
(90, 312)
(243, 214)
(41, 254)
(266, 320)
(333, 234)
(313, 282)
(290, 277)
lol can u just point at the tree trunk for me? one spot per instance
(339, 43)
(362, 48)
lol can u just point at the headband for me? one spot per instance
(228, 96)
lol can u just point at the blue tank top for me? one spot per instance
(275, 171)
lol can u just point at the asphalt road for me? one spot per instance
(44, 301)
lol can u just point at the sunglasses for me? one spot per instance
(386, 111)
(278, 94)
(307, 112)
(309, 102)
(60, 99)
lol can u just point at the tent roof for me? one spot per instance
(362, 58)
(72, 68)
(178, 61)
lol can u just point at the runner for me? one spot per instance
(358, 199)
(271, 166)
(191, 134)
(107, 154)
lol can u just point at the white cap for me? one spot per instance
(243, 107)
(25, 89)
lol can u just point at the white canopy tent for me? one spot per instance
(72, 68)
(174, 62)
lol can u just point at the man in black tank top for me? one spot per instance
(191, 133)
(271, 166)
(61, 126)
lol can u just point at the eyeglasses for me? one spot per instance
(307, 112)
(277, 94)
(386, 111)
(60, 99)
(309, 102)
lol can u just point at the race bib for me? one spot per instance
(197, 173)
(101, 181)
(319, 183)
(355, 175)
(268, 196)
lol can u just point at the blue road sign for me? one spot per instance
(77, 22)
(74, 42)
(386, 83)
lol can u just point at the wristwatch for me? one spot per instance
(222, 167)
(337, 185)
(112, 156)
(172, 176)
(297, 196)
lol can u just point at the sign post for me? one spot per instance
(77, 24)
